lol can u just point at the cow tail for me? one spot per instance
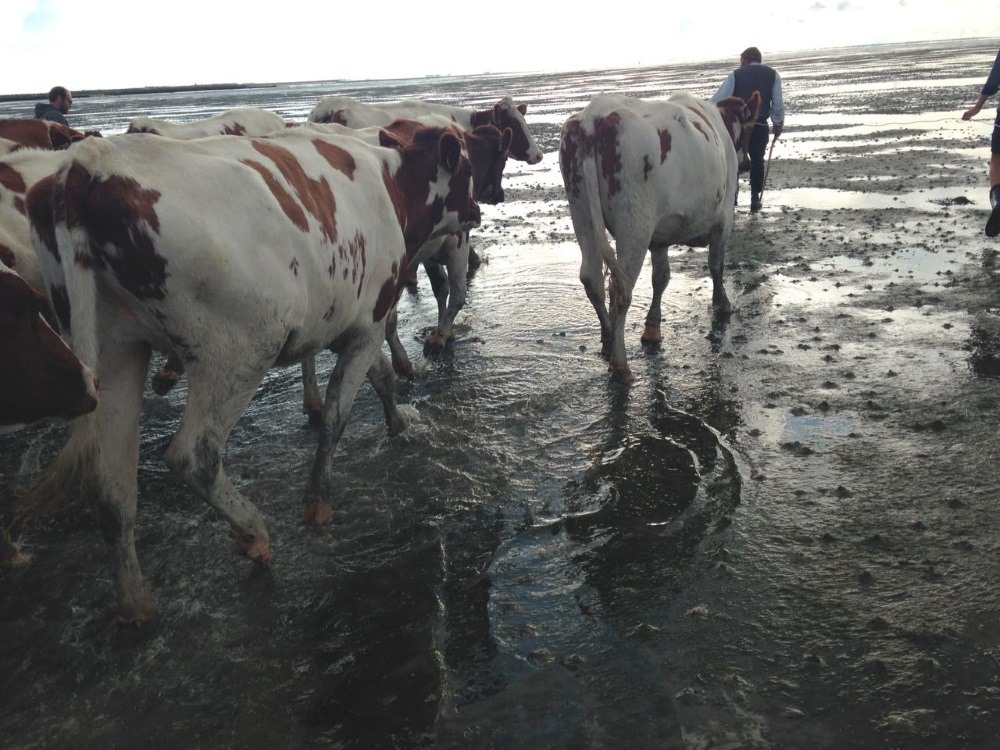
(591, 186)
(69, 472)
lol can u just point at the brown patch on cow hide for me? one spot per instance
(606, 145)
(665, 142)
(357, 250)
(40, 212)
(315, 195)
(20, 206)
(337, 158)
(7, 256)
(701, 116)
(570, 153)
(118, 211)
(291, 209)
(388, 294)
(700, 129)
(235, 129)
(11, 179)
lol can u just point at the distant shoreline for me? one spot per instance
(141, 90)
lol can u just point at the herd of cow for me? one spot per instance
(241, 242)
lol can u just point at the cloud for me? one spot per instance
(42, 18)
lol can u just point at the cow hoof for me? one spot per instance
(621, 374)
(255, 546)
(651, 336)
(16, 559)
(164, 381)
(404, 369)
(317, 513)
(724, 308)
(435, 343)
(135, 612)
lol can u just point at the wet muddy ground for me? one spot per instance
(783, 535)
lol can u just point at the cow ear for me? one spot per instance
(522, 108)
(389, 140)
(451, 151)
(505, 139)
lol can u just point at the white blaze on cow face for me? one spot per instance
(453, 170)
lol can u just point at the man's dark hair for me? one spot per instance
(751, 54)
(57, 91)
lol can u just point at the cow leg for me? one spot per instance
(620, 299)
(383, 380)
(114, 481)
(215, 403)
(661, 277)
(439, 284)
(592, 278)
(353, 363)
(312, 402)
(458, 267)
(716, 266)
(401, 362)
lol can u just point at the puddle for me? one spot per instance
(828, 199)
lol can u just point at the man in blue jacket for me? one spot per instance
(752, 76)
(989, 89)
(60, 100)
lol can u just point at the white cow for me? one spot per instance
(653, 174)
(504, 114)
(239, 121)
(234, 255)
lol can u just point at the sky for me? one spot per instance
(121, 44)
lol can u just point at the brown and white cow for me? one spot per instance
(504, 114)
(235, 255)
(653, 174)
(487, 149)
(33, 133)
(239, 121)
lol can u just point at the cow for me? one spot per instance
(487, 148)
(234, 255)
(504, 114)
(653, 174)
(239, 121)
(488, 154)
(40, 377)
(33, 133)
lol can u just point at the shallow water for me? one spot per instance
(782, 535)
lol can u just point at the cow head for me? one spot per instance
(432, 190)
(40, 377)
(739, 118)
(488, 150)
(505, 114)
(63, 137)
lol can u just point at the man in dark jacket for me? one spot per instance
(60, 100)
(749, 77)
(991, 86)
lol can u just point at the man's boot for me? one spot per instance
(755, 203)
(993, 224)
